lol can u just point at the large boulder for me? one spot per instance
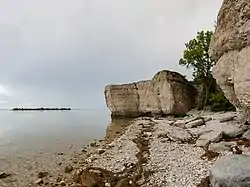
(231, 171)
(230, 48)
(167, 93)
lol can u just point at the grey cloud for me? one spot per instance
(64, 52)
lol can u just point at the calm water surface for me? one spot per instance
(50, 130)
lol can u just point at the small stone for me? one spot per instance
(205, 139)
(202, 143)
(246, 135)
(93, 144)
(178, 134)
(75, 161)
(68, 169)
(100, 151)
(195, 123)
(107, 184)
(226, 119)
(42, 174)
(62, 183)
(84, 150)
(39, 181)
(110, 145)
(207, 119)
(58, 179)
(221, 146)
(180, 123)
(236, 150)
(148, 133)
(163, 136)
(4, 175)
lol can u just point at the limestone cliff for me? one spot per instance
(167, 93)
(230, 47)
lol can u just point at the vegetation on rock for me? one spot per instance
(196, 55)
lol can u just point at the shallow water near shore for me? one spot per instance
(49, 131)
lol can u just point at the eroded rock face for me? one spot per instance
(230, 47)
(167, 93)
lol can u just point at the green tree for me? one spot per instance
(196, 56)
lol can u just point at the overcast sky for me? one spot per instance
(63, 53)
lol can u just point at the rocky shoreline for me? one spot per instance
(149, 152)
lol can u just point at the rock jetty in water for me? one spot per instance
(167, 93)
(24, 109)
(230, 48)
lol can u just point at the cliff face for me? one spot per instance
(167, 93)
(230, 47)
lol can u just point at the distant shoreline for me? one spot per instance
(38, 109)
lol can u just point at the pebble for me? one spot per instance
(93, 144)
(107, 184)
(68, 169)
(42, 174)
(62, 183)
(100, 151)
(4, 175)
(39, 181)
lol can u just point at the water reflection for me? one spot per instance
(116, 128)
(55, 131)
(50, 131)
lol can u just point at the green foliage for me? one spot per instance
(196, 56)
(219, 102)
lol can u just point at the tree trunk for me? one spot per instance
(201, 98)
(206, 95)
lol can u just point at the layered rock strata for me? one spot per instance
(167, 93)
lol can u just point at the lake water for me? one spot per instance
(50, 130)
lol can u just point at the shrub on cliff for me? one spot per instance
(218, 102)
(196, 56)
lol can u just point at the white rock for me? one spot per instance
(231, 171)
(158, 96)
(180, 123)
(205, 139)
(221, 146)
(202, 143)
(227, 118)
(247, 135)
(107, 184)
(178, 134)
(231, 129)
(195, 123)
(39, 181)
(148, 133)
